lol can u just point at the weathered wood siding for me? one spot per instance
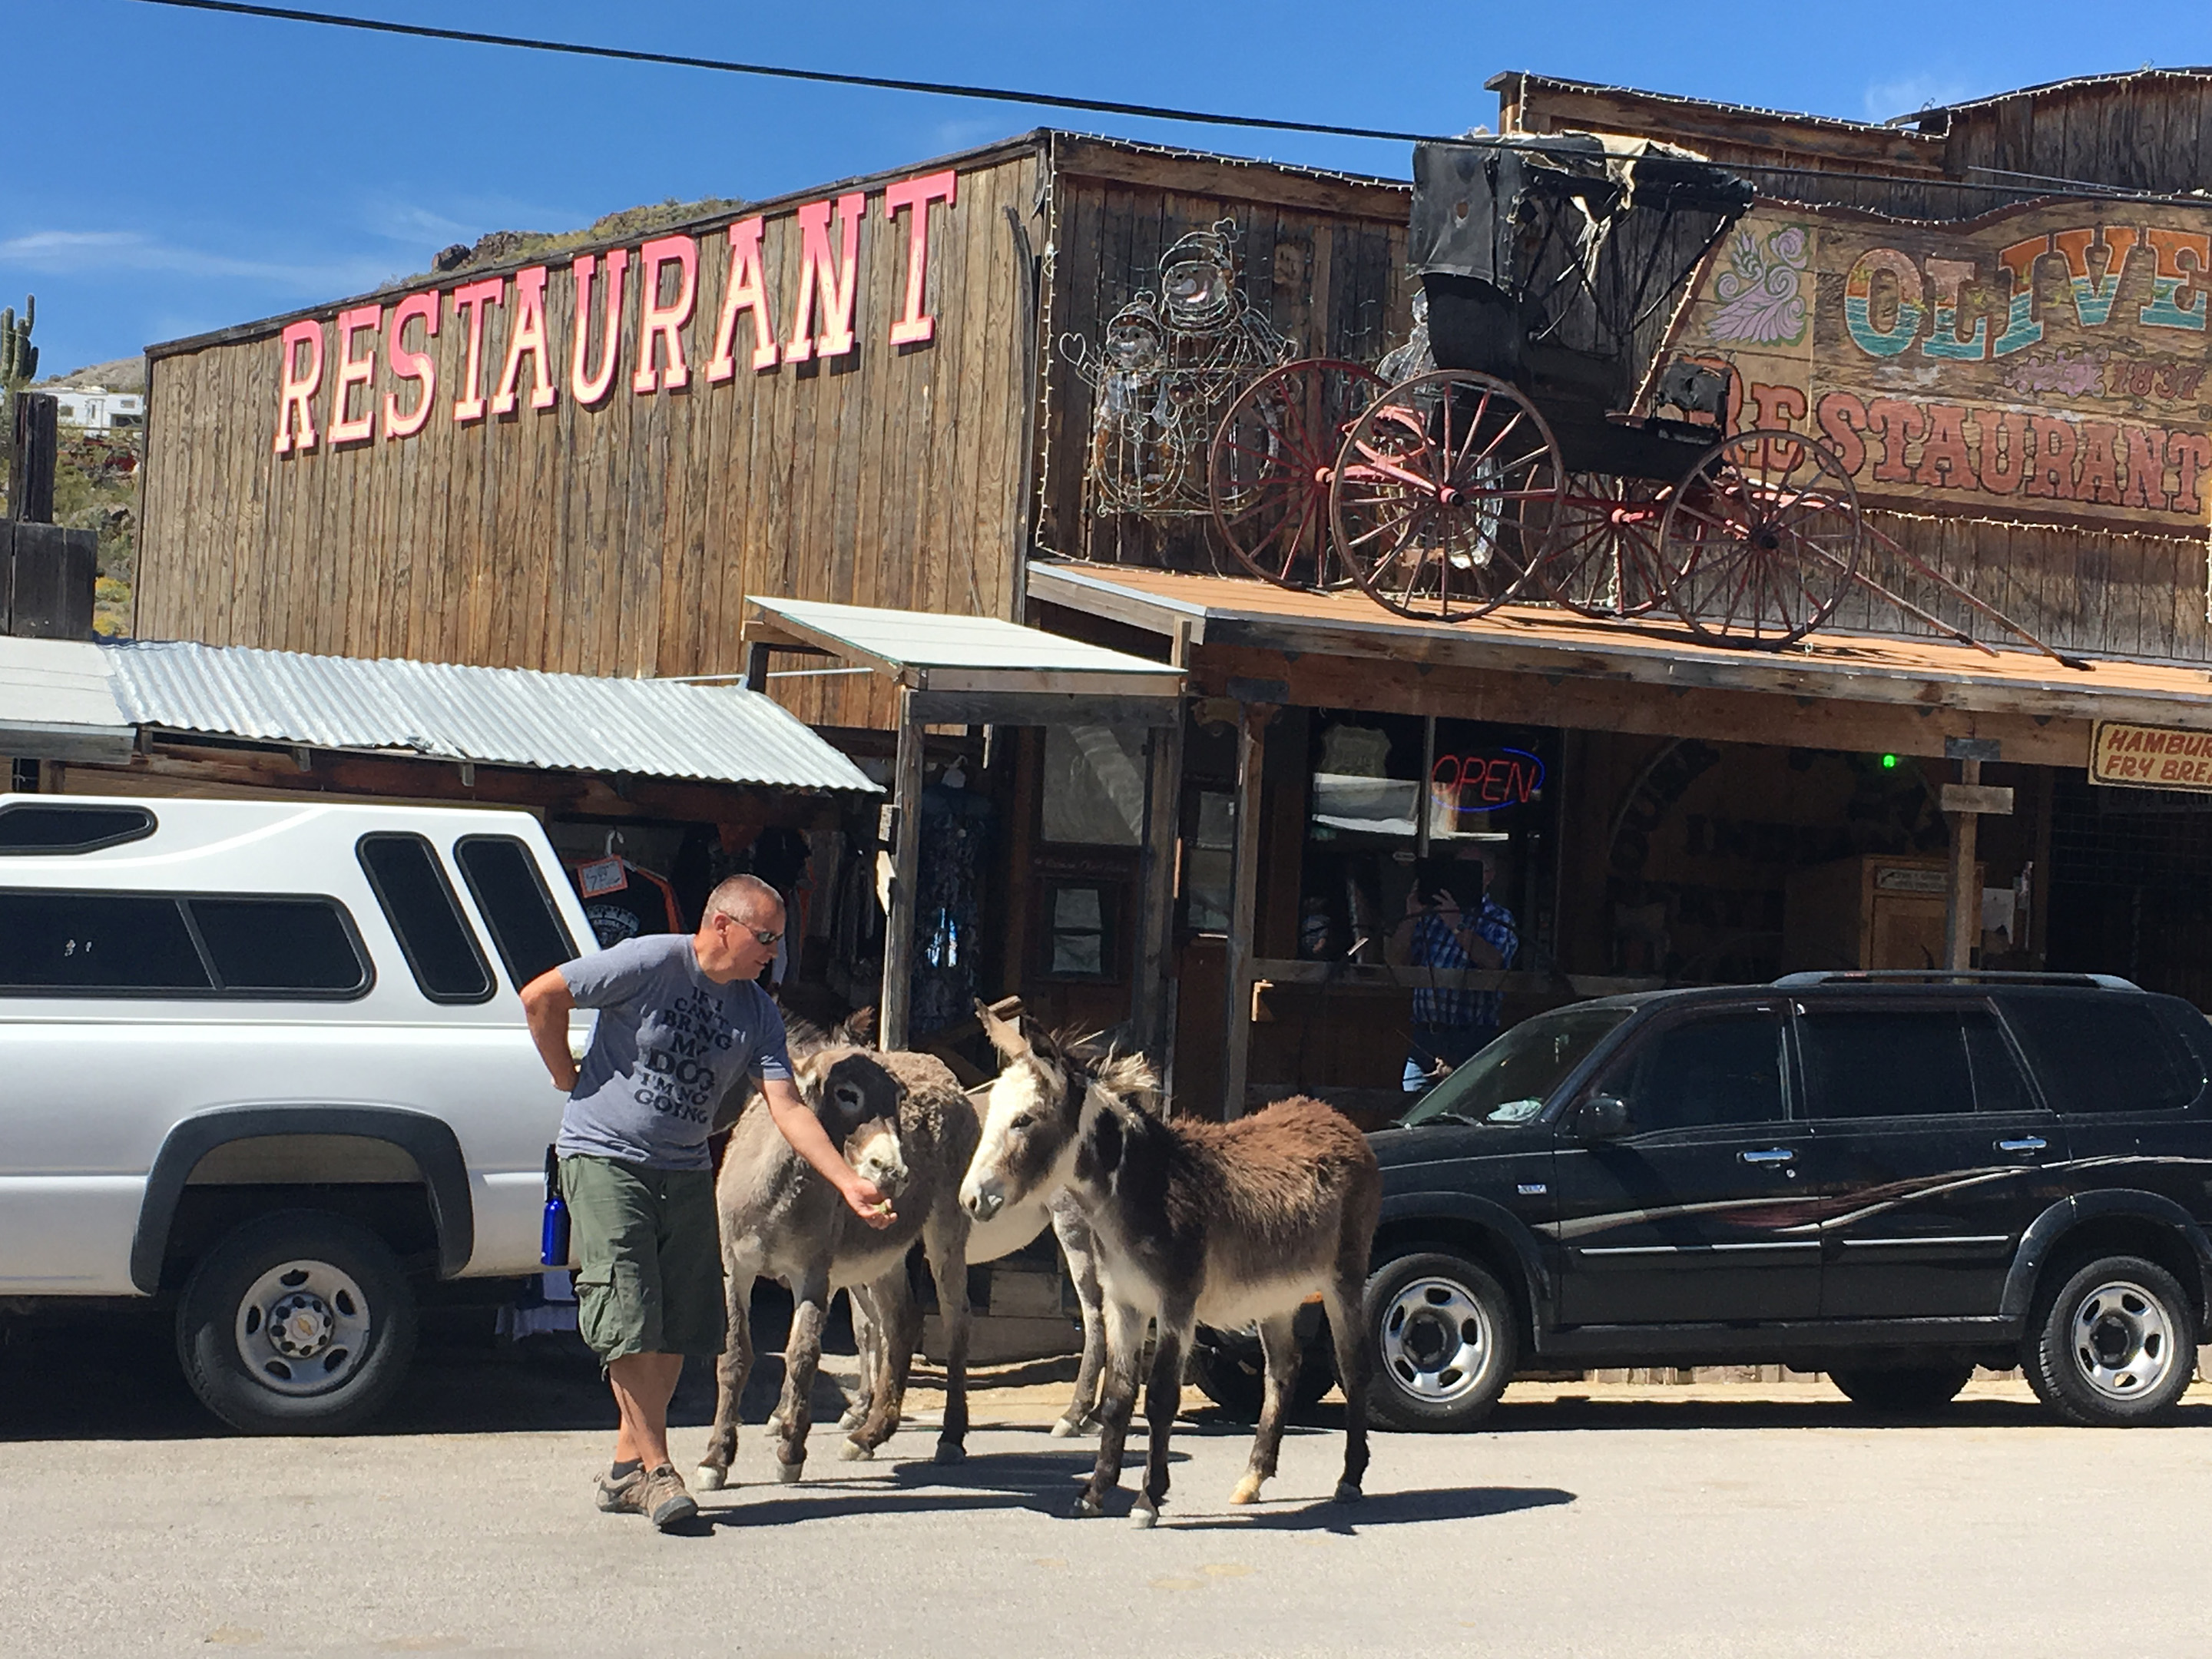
(1322, 258)
(621, 538)
(2151, 131)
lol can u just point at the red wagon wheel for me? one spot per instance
(1763, 539)
(1602, 556)
(1446, 492)
(1273, 459)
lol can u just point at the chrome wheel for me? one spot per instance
(302, 1327)
(2122, 1344)
(1437, 1340)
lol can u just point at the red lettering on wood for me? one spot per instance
(353, 372)
(2101, 463)
(2007, 448)
(914, 325)
(1945, 463)
(300, 384)
(667, 320)
(746, 290)
(408, 365)
(527, 334)
(588, 386)
(820, 269)
(2051, 473)
(2188, 453)
(1843, 418)
(1898, 424)
(475, 299)
(2146, 484)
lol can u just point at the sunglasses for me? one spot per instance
(760, 934)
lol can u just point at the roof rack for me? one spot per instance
(1949, 977)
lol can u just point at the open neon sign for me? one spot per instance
(1487, 781)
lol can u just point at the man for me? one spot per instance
(1451, 923)
(680, 1020)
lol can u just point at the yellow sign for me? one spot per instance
(2151, 756)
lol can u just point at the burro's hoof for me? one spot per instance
(1347, 1493)
(854, 1452)
(949, 1451)
(1248, 1490)
(787, 1474)
(1063, 1430)
(855, 1416)
(1144, 1517)
(1087, 1508)
(708, 1478)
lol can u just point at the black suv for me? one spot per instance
(1891, 1178)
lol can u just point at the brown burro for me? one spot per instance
(1223, 1224)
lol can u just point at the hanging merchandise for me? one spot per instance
(955, 834)
(621, 901)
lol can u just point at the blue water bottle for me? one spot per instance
(553, 1240)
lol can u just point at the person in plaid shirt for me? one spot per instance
(1451, 921)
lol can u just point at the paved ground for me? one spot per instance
(1660, 1520)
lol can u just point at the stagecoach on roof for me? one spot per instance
(1533, 447)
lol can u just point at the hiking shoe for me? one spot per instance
(620, 1497)
(661, 1498)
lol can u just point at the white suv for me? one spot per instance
(266, 1060)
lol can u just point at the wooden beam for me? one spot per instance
(1226, 178)
(1156, 889)
(1962, 920)
(1243, 905)
(895, 1009)
(1043, 708)
(1601, 705)
(1546, 106)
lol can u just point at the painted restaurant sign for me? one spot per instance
(2150, 756)
(371, 373)
(2046, 362)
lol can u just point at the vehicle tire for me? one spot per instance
(2114, 1345)
(298, 1323)
(1443, 1339)
(1227, 1369)
(1903, 1390)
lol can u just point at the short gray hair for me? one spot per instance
(739, 896)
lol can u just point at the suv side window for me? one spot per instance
(1999, 1084)
(1719, 1069)
(2104, 1052)
(440, 948)
(511, 897)
(177, 944)
(280, 945)
(1885, 1062)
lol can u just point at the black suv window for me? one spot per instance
(162, 943)
(440, 948)
(1885, 1062)
(2102, 1052)
(511, 897)
(68, 827)
(1999, 1084)
(1719, 1068)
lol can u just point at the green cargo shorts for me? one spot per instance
(649, 1256)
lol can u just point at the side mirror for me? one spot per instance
(1602, 1117)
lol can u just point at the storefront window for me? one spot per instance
(1094, 784)
(1209, 863)
(1081, 939)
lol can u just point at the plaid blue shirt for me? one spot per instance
(1434, 945)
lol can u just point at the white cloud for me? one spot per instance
(79, 252)
(1885, 99)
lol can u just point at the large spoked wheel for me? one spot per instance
(1272, 462)
(1761, 540)
(1446, 491)
(1602, 558)
(2114, 1346)
(1444, 1340)
(299, 1322)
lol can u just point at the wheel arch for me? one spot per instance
(1485, 1232)
(2128, 1223)
(429, 1142)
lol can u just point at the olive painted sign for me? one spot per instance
(2046, 362)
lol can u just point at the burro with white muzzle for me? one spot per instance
(1223, 1224)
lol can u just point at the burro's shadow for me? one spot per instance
(1380, 1509)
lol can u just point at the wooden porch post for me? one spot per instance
(1964, 802)
(895, 1009)
(1155, 921)
(1244, 889)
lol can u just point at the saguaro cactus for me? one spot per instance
(18, 358)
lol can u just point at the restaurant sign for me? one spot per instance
(2150, 756)
(2045, 362)
(367, 374)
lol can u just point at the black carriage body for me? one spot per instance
(1556, 263)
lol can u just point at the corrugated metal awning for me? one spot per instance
(57, 702)
(928, 651)
(494, 716)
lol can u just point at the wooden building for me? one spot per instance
(915, 393)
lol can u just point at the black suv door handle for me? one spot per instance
(1773, 1155)
(2024, 1144)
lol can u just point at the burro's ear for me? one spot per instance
(1130, 1077)
(859, 1027)
(1005, 1034)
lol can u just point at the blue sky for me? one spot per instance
(173, 172)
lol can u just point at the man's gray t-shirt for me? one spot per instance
(669, 1042)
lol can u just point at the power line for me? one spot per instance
(823, 77)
